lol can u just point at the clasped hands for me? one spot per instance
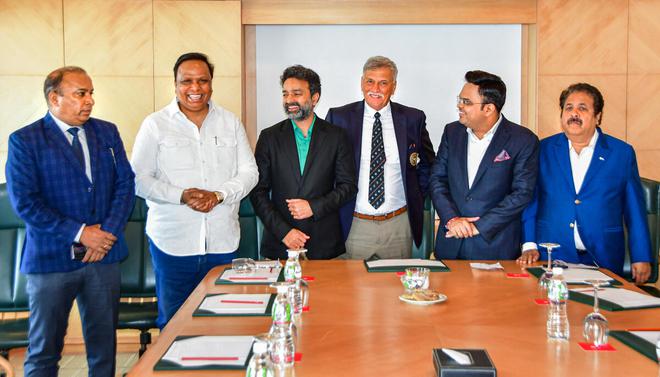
(300, 210)
(199, 200)
(98, 242)
(462, 227)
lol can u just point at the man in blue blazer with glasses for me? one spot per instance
(69, 180)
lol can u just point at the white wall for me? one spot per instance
(432, 61)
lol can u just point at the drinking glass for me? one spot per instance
(596, 330)
(415, 278)
(243, 265)
(545, 279)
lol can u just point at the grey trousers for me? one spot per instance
(389, 239)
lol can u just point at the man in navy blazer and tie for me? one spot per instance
(393, 156)
(69, 180)
(588, 187)
(484, 175)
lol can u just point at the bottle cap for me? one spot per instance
(557, 270)
(260, 346)
(292, 253)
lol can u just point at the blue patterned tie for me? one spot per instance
(377, 165)
(77, 147)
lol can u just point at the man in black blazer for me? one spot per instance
(484, 175)
(393, 155)
(306, 174)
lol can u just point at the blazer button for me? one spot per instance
(577, 201)
(89, 189)
(572, 225)
(468, 198)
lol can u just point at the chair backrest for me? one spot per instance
(137, 273)
(251, 231)
(651, 191)
(428, 232)
(13, 296)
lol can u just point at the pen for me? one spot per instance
(248, 278)
(648, 329)
(241, 302)
(212, 358)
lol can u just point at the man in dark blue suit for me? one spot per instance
(588, 185)
(69, 180)
(393, 156)
(483, 176)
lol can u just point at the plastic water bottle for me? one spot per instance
(557, 326)
(283, 332)
(260, 364)
(292, 268)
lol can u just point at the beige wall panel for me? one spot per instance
(31, 36)
(109, 37)
(388, 12)
(124, 101)
(22, 103)
(612, 87)
(582, 36)
(643, 113)
(211, 27)
(649, 164)
(644, 33)
(226, 92)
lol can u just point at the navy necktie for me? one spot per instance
(377, 165)
(77, 147)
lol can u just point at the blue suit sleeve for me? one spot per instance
(639, 241)
(439, 183)
(124, 189)
(529, 219)
(24, 192)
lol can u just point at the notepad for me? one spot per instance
(233, 304)
(580, 275)
(258, 276)
(389, 265)
(619, 298)
(207, 352)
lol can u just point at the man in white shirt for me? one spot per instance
(393, 156)
(193, 165)
(588, 185)
(483, 176)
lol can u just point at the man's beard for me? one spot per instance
(304, 110)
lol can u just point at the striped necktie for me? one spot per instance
(377, 165)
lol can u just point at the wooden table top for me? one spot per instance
(357, 326)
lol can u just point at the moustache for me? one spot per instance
(286, 105)
(380, 95)
(575, 120)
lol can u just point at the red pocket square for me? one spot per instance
(503, 156)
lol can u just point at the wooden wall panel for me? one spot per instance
(30, 36)
(22, 103)
(649, 164)
(644, 35)
(388, 12)
(110, 38)
(613, 88)
(643, 114)
(582, 37)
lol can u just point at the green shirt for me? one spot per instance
(302, 143)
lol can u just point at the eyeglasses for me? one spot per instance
(467, 102)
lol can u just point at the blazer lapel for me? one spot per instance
(54, 133)
(461, 157)
(564, 161)
(599, 158)
(317, 134)
(356, 118)
(496, 146)
(401, 132)
(288, 143)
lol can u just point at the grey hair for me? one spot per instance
(376, 62)
(54, 79)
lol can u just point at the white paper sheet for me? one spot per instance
(579, 275)
(210, 347)
(259, 276)
(236, 303)
(561, 263)
(405, 263)
(487, 266)
(650, 336)
(622, 297)
(268, 264)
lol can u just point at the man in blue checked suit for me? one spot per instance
(69, 180)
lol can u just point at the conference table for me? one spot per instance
(357, 326)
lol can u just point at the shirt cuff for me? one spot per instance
(77, 239)
(527, 246)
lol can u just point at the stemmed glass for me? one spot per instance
(595, 324)
(544, 281)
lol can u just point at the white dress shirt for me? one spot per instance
(579, 165)
(171, 154)
(395, 196)
(476, 149)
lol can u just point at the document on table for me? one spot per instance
(623, 298)
(486, 266)
(207, 352)
(258, 276)
(389, 263)
(233, 304)
(650, 336)
(579, 275)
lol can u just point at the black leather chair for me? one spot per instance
(428, 232)
(13, 298)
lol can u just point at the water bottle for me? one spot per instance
(260, 364)
(292, 268)
(282, 312)
(557, 326)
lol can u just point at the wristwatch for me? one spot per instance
(219, 196)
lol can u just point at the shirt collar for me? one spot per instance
(489, 135)
(592, 142)
(370, 112)
(63, 126)
(298, 131)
